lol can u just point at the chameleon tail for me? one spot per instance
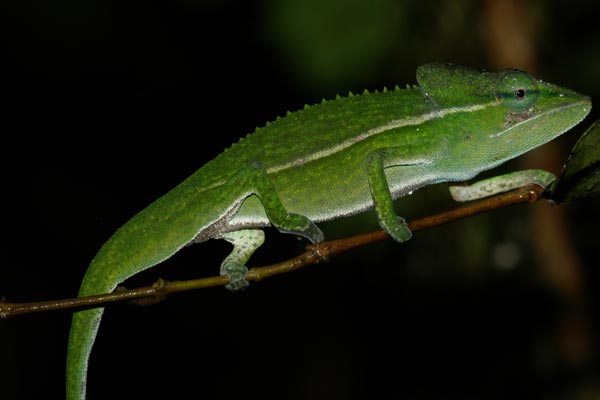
(84, 326)
(81, 339)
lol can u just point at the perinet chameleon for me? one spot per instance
(331, 160)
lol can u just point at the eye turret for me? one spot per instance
(517, 90)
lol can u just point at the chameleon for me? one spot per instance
(331, 160)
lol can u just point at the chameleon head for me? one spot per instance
(535, 111)
(509, 113)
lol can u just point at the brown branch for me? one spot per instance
(314, 254)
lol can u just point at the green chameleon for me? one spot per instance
(331, 160)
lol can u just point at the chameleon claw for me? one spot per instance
(313, 233)
(398, 230)
(236, 273)
(308, 229)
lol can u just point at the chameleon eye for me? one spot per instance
(517, 90)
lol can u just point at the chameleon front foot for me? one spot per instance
(396, 227)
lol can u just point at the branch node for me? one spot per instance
(534, 193)
(159, 285)
(318, 252)
(5, 309)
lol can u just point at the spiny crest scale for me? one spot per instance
(324, 101)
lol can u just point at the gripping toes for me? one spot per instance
(300, 225)
(397, 228)
(245, 243)
(236, 273)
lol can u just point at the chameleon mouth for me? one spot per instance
(517, 120)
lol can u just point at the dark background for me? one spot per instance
(109, 104)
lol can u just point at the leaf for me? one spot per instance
(580, 177)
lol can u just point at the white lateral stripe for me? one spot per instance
(399, 123)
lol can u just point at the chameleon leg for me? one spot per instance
(390, 222)
(255, 180)
(500, 184)
(244, 242)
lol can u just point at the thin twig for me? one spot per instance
(314, 254)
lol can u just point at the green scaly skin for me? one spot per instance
(331, 160)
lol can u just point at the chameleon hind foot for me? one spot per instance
(300, 225)
(255, 177)
(236, 273)
(244, 242)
